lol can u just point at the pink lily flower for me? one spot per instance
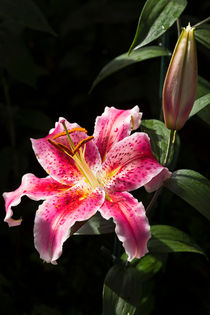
(90, 174)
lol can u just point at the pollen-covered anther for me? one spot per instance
(61, 147)
(132, 123)
(69, 131)
(68, 150)
(83, 141)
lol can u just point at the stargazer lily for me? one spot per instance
(90, 174)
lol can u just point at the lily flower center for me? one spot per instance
(76, 152)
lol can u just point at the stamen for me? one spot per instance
(61, 147)
(132, 123)
(83, 141)
(69, 131)
(68, 150)
(72, 151)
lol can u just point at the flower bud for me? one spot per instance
(180, 84)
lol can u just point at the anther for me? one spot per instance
(68, 150)
(61, 147)
(132, 122)
(69, 131)
(83, 141)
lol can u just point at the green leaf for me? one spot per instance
(156, 17)
(122, 290)
(193, 187)
(25, 12)
(96, 225)
(204, 114)
(148, 265)
(200, 104)
(159, 137)
(128, 287)
(203, 87)
(202, 35)
(124, 60)
(166, 239)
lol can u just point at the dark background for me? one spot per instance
(90, 34)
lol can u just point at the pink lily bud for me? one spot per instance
(180, 84)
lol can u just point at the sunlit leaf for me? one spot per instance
(166, 239)
(204, 114)
(200, 104)
(126, 60)
(147, 265)
(159, 137)
(202, 35)
(122, 290)
(96, 225)
(25, 12)
(193, 187)
(156, 17)
(203, 89)
(128, 288)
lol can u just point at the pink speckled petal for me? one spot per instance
(113, 126)
(158, 180)
(132, 227)
(58, 164)
(58, 214)
(33, 187)
(130, 164)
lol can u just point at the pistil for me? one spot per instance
(76, 152)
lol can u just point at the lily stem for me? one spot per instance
(170, 145)
(171, 141)
(202, 22)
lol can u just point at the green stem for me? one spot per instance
(170, 145)
(202, 22)
(178, 27)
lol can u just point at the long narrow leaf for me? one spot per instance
(203, 89)
(156, 17)
(122, 289)
(124, 60)
(202, 35)
(159, 137)
(166, 239)
(193, 188)
(200, 104)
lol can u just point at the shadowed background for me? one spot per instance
(46, 76)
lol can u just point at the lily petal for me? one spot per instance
(113, 126)
(132, 227)
(131, 164)
(33, 187)
(58, 214)
(58, 164)
(158, 180)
